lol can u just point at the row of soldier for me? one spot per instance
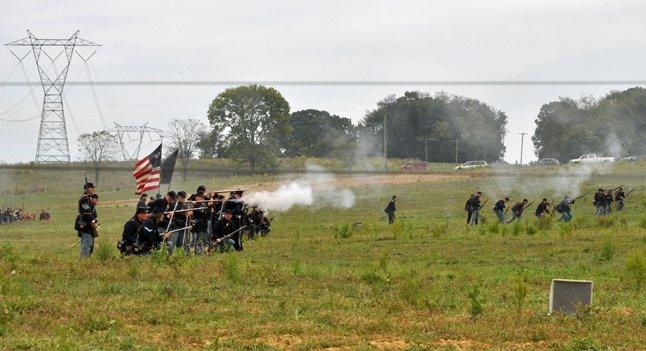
(201, 222)
(602, 201)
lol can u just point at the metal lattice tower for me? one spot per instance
(53, 145)
(128, 135)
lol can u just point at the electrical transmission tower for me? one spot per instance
(131, 138)
(53, 145)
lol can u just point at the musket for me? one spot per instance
(580, 197)
(628, 193)
(484, 203)
(219, 240)
(186, 210)
(176, 230)
(526, 206)
(616, 188)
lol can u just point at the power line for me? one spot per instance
(346, 82)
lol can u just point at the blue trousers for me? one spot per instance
(87, 244)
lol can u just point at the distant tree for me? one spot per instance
(250, 121)
(614, 126)
(416, 119)
(98, 147)
(183, 135)
(318, 134)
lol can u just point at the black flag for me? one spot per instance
(167, 168)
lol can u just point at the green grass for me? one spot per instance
(320, 281)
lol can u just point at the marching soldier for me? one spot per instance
(200, 227)
(608, 198)
(598, 202)
(499, 209)
(467, 208)
(619, 198)
(179, 220)
(564, 207)
(517, 210)
(391, 209)
(474, 206)
(542, 209)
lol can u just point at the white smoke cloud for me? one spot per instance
(316, 188)
(613, 145)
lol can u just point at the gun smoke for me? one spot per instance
(316, 188)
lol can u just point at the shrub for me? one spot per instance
(475, 306)
(440, 229)
(607, 250)
(494, 227)
(530, 229)
(104, 251)
(636, 267)
(516, 228)
(345, 231)
(520, 293)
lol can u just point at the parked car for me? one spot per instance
(548, 162)
(418, 166)
(472, 164)
(592, 158)
(628, 159)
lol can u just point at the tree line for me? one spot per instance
(614, 125)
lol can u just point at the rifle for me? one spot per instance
(176, 230)
(484, 203)
(616, 188)
(186, 210)
(628, 193)
(217, 241)
(579, 197)
(526, 206)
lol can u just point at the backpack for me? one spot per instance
(559, 208)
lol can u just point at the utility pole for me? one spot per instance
(522, 139)
(457, 141)
(53, 145)
(385, 139)
(426, 140)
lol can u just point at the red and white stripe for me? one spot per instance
(146, 176)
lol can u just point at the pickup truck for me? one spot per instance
(592, 158)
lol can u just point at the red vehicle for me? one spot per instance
(417, 166)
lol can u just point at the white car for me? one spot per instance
(592, 158)
(472, 164)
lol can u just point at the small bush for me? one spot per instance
(520, 293)
(516, 228)
(607, 250)
(104, 251)
(440, 229)
(494, 227)
(636, 267)
(345, 231)
(530, 229)
(544, 223)
(475, 299)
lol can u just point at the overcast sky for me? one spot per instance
(319, 40)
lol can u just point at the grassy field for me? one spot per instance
(320, 281)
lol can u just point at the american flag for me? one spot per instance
(147, 171)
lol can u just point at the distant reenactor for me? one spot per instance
(178, 220)
(224, 234)
(128, 245)
(599, 201)
(517, 210)
(475, 207)
(467, 208)
(499, 209)
(259, 223)
(620, 196)
(608, 198)
(565, 209)
(391, 209)
(200, 226)
(86, 220)
(542, 209)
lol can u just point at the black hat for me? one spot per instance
(142, 209)
(172, 194)
(181, 193)
(88, 185)
(227, 211)
(157, 209)
(94, 196)
(201, 188)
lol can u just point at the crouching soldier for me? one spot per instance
(223, 236)
(542, 209)
(149, 236)
(128, 245)
(499, 209)
(564, 208)
(517, 210)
